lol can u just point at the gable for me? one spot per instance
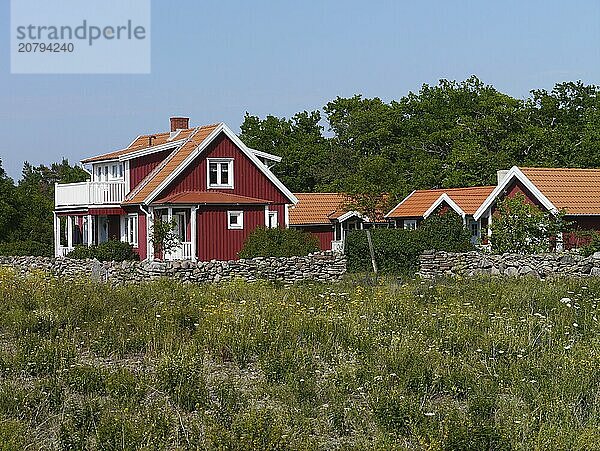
(248, 180)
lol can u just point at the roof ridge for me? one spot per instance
(159, 167)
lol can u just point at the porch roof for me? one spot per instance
(210, 198)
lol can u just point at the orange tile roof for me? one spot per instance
(417, 203)
(575, 190)
(317, 208)
(209, 197)
(163, 170)
(141, 142)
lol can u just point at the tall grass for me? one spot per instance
(469, 364)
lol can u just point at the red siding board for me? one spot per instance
(140, 167)
(248, 179)
(141, 249)
(323, 232)
(215, 241)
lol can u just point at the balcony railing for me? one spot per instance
(89, 193)
(183, 252)
(337, 246)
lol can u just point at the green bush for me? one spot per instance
(263, 242)
(112, 250)
(397, 250)
(24, 248)
(593, 243)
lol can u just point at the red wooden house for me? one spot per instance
(206, 179)
(574, 191)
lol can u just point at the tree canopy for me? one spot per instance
(452, 134)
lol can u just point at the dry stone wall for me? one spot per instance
(443, 264)
(322, 266)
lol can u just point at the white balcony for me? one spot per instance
(89, 193)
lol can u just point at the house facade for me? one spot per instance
(420, 204)
(205, 179)
(576, 192)
(328, 217)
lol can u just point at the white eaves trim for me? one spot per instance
(349, 214)
(444, 198)
(265, 155)
(513, 173)
(150, 150)
(205, 143)
(401, 202)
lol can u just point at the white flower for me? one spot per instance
(565, 300)
(429, 414)
(575, 325)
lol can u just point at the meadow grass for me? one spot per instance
(457, 364)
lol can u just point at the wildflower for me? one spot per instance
(567, 347)
(429, 414)
(575, 325)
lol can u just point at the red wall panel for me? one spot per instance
(323, 232)
(142, 166)
(142, 236)
(215, 241)
(248, 179)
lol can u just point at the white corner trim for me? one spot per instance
(150, 150)
(205, 143)
(513, 173)
(401, 202)
(265, 155)
(444, 198)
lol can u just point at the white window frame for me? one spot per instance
(219, 162)
(409, 224)
(240, 223)
(272, 214)
(132, 226)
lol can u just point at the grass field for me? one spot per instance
(480, 364)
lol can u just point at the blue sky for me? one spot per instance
(213, 61)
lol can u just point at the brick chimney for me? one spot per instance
(179, 123)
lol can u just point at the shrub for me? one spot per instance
(523, 228)
(24, 248)
(593, 245)
(112, 250)
(397, 250)
(263, 242)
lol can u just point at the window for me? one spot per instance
(132, 229)
(272, 220)
(410, 224)
(220, 172)
(98, 173)
(475, 230)
(235, 220)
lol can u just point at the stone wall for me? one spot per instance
(440, 264)
(322, 266)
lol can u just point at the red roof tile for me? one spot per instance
(575, 190)
(417, 203)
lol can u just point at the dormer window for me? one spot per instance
(220, 173)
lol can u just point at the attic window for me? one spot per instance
(220, 173)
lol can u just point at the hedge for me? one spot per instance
(263, 242)
(397, 250)
(26, 248)
(112, 250)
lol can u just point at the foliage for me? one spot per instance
(163, 236)
(24, 248)
(451, 134)
(592, 244)
(522, 227)
(463, 364)
(397, 250)
(278, 242)
(26, 209)
(112, 250)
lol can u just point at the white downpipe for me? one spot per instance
(149, 223)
